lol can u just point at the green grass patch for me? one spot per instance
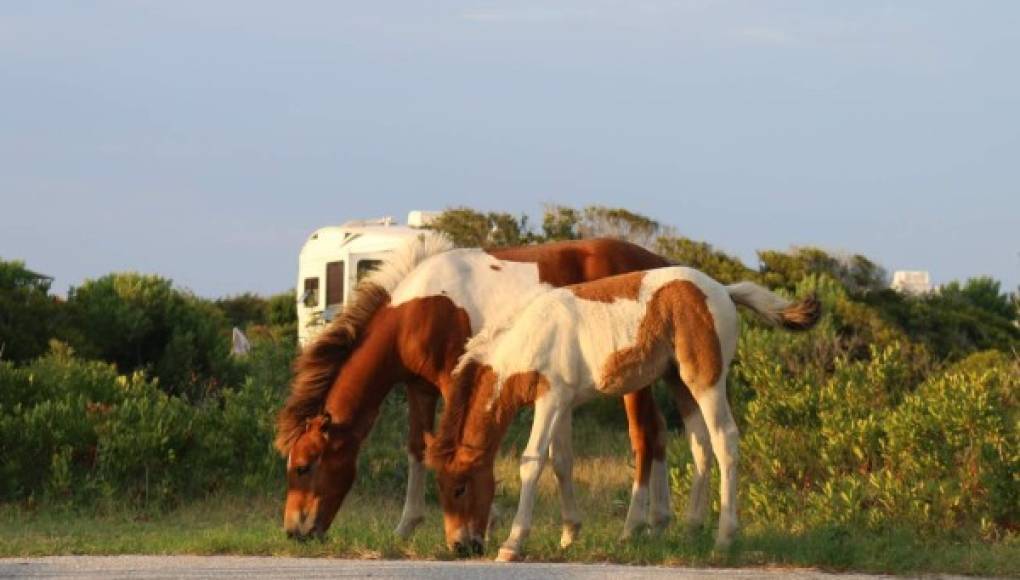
(251, 526)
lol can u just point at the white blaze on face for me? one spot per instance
(488, 289)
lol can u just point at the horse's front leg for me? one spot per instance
(421, 402)
(548, 409)
(562, 454)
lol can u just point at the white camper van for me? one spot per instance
(335, 258)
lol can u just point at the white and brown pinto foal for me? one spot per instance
(608, 337)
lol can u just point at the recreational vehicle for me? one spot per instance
(335, 258)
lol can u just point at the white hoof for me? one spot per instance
(723, 542)
(570, 533)
(632, 532)
(405, 528)
(508, 555)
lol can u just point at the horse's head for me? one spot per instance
(466, 489)
(320, 471)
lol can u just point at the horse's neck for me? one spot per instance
(362, 384)
(490, 414)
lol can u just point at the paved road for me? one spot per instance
(151, 567)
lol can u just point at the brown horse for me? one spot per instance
(408, 323)
(609, 337)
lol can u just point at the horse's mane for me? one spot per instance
(479, 345)
(319, 363)
(455, 412)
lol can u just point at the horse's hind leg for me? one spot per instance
(647, 439)
(421, 402)
(722, 430)
(701, 449)
(660, 505)
(561, 452)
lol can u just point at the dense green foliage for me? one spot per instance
(472, 229)
(76, 429)
(876, 441)
(248, 309)
(27, 312)
(141, 322)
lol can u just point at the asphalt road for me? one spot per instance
(150, 567)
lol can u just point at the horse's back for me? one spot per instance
(476, 282)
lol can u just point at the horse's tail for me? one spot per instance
(318, 364)
(776, 310)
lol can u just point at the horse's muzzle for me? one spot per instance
(313, 535)
(468, 549)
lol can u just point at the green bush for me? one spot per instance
(954, 445)
(27, 312)
(76, 430)
(141, 322)
(872, 442)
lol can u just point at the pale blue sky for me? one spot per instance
(204, 140)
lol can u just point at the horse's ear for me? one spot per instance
(324, 425)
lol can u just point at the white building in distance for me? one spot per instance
(914, 282)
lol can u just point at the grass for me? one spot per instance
(250, 524)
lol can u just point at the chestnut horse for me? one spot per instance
(408, 323)
(608, 337)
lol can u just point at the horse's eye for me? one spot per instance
(302, 469)
(459, 491)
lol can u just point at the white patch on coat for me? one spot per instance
(467, 277)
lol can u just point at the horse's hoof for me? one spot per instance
(508, 555)
(660, 525)
(723, 543)
(570, 533)
(405, 529)
(631, 533)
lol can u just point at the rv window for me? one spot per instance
(311, 296)
(334, 283)
(366, 267)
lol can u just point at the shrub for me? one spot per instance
(141, 322)
(49, 414)
(27, 312)
(719, 265)
(872, 442)
(856, 273)
(954, 444)
(244, 309)
(76, 430)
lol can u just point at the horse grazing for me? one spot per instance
(608, 337)
(408, 323)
